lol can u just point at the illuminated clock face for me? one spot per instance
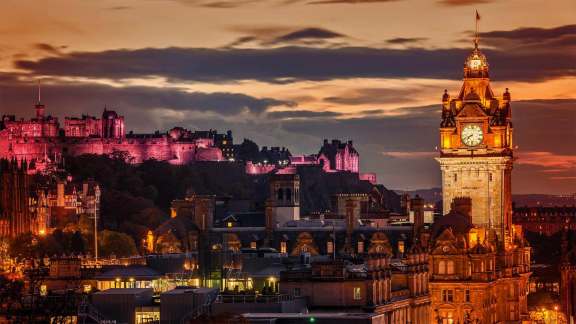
(475, 63)
(472, 135)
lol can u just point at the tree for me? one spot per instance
(119, 244)
(77, 245)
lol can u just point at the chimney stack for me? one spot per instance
(463, 205)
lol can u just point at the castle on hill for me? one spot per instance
(42, 138)
(43, 141)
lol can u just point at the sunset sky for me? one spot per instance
(293, 72)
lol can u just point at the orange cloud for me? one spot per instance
(409, 155)
(548, 160)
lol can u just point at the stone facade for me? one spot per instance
(487, 181)
(479, 261)
(476, 147)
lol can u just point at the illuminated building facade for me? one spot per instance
(334, 156)
(37, 205)
(546, 220)
(479, 261)
(15, 215)
(37, 138)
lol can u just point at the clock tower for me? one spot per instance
(476, 153)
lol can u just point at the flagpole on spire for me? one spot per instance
(477, 34)
(39, 93)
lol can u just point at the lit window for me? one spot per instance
(360, 246)
(282, 247)
(441, 267)
(229, 224)
(357, 293)
(450, 267)
(330, 247)
(253, 245)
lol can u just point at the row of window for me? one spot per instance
(356, 292)
(448, 295)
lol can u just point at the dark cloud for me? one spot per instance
(399, 148)
(348, 1)
(463, 2)
(285, 64)
(274, 36)
(533, 39)
(306, 34)
(88, 98)
(374, 96)
(243, 41)
(223, 4)
(288, 114)
(48, 48)
(118, 8)
(406, 40)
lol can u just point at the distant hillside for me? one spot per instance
(435, 195)
(136, 198)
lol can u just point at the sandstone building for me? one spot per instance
(479, 261)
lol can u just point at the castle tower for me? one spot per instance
(40, 108)
(112, 125)
(476, 152)
(285, 198)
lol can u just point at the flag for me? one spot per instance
(477, 15)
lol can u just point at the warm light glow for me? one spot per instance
(475, 63)
(446, 141)
(497, 140)
(42, 232)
